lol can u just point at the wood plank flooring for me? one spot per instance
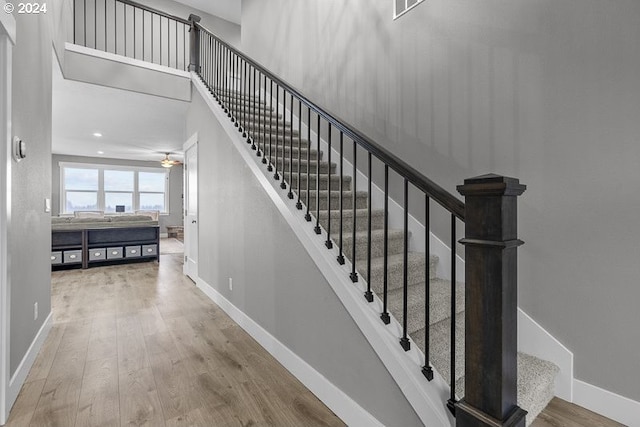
(560, 413)
(140, 345)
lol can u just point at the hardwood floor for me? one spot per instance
(560, 413)
(140, 345)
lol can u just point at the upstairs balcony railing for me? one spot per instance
(133, 30)
(244, 88)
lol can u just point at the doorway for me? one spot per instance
(191, 207)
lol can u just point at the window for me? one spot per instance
(400, 7)
(103, 187)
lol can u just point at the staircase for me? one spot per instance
(296, 153)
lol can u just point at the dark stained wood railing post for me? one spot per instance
(491, 294)
(194, 44)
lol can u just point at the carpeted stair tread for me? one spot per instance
(439, 339)
(273, 129)
(324, 182)
(225, 93)
(439, 304)
(266, 138)
(377, 219)
(313, 154)
(536, 384)
(302, 166)
(361, 199)
(395, 241)
(395, 273)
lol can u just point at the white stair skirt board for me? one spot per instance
(604, 402)
(427, 399)
(533, 339)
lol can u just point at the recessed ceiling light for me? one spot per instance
(100, 152)
(97, 134)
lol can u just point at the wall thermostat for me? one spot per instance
(19, 149)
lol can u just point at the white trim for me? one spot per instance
(27, 361)
(340, 403)
(164, 235)
(427, 398)
(125, 60)
(7, 39)
(158, 169)
(604, 402)
(533, 339)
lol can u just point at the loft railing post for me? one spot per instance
(491, 294)
(194, 44)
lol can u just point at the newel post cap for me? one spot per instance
(491, 185)
(194, 18)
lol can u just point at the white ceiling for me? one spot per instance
(133, 125)
(225, 9)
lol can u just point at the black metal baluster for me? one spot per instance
(95, 24)
(328, 243)
(75, 18)
(452, 399)
(290, 194)
(368, 295)
(283, 185)
(341, 254)
(354, 274)
(276, 176)
(299, 203)
(307, 216)
(225, 81)
(143, 33)
(385, 264)
(84, 23)
(427, 370)
(106, 49)
(404, 341)
(254, 121)
(124, 8)
(262, 118)
(270, 167)
(176, 43)
(115, 27)
(243, 98)
(317, 227)
(134, 32)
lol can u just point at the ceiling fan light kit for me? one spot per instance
(167, 163)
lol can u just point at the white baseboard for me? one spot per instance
(604, 402)
(339, 402)
(17, 380)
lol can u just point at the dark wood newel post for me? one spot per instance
(491, 295)
(194, 44)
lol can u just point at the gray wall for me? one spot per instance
(175, 184)
(242, 235)
(29, 242)
(546, 91)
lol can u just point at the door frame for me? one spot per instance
(192, 141)
(7, 41)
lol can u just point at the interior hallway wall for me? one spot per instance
(29, 242)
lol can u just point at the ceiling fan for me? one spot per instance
(167, 163)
